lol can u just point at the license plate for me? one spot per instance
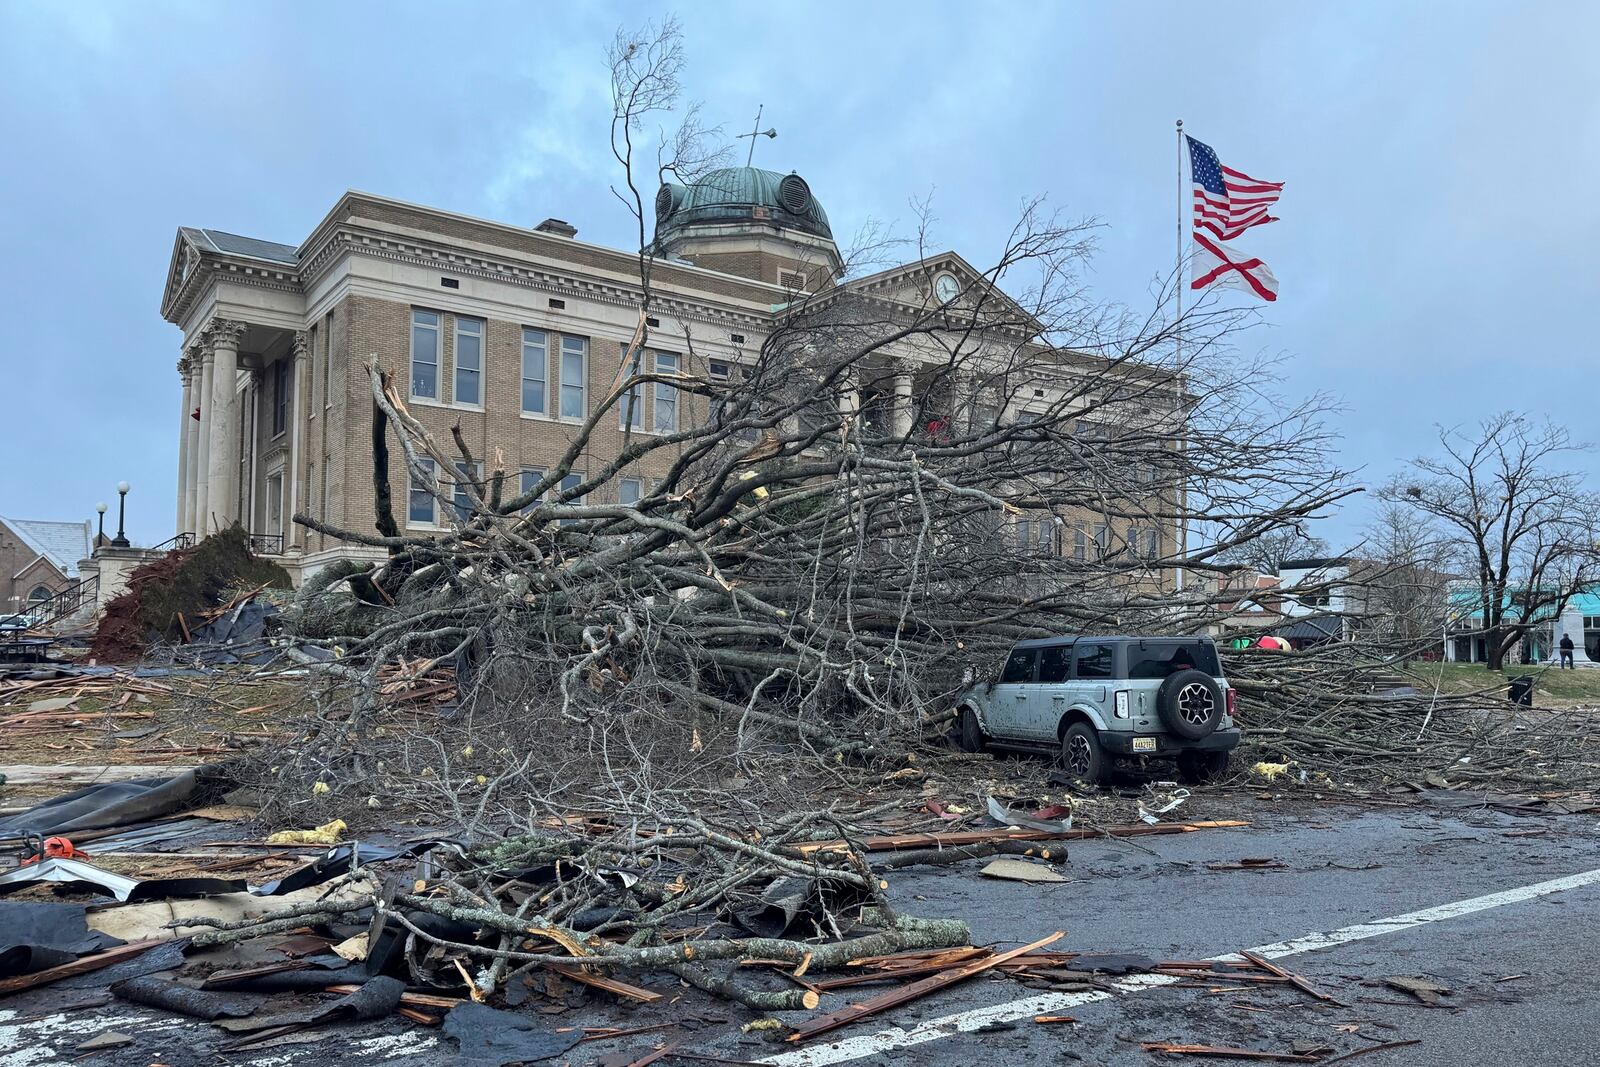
(1144, 744)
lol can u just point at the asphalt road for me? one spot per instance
(1529, 909)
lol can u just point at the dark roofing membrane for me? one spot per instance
(252, 247)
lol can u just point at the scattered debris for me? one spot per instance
(104, 1042)
(1016, 870)
(486, 1035)
(326, 834)
(896, 997)
(1228, 1052)
(1250, 863)
(1425, 990)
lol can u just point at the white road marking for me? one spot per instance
(852, 1048)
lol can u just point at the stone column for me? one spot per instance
(199, 398)
(1570, 624)
(203, 483)
(900, 416)
(299, 385)
(222, 462)
(181, 523)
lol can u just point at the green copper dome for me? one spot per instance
(740, 194)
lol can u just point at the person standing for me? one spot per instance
(1566, 651)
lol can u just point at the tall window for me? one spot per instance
(469, 361)
(666, 395)
(420, 506)
(574, 376)
(569, 483)
(535, 370)
(1080, 542)
(530, 478)
(275, 504)
(1102, 539)
(425, 354)
(631, 406)
(1152, 542)
(327, 361)
(280, 397)
(466, 474)
(630, 491)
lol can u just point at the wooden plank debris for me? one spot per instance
(584, 976)
(896, 997)
(1297, 981)
(82, 965)
(1227, 1052)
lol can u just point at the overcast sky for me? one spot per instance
(1437, 249)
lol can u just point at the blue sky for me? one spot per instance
(1437, 252)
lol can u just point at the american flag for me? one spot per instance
(1227, 202)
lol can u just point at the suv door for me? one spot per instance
(1053, 695)
(1008, 700)
(1094, 667)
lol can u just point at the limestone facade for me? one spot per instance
(513, 334)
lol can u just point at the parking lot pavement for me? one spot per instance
(1500, 917)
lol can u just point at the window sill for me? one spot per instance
(278, 436)
(535, 416)
(429, 402)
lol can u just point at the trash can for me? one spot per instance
(1520, 691)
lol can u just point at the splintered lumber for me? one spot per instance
(610, 985)
(1298, 982)
(1227, 1052)
(896, 997)
(959, 838)
(83, 965)
(412, 1000)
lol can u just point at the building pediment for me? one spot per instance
(200, 257)
(925, 285)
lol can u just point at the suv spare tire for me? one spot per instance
(1190, 704)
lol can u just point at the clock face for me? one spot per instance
(946, 288)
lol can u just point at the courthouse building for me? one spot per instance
(512, 333)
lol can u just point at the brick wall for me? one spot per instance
(15, 557)
(383, 328)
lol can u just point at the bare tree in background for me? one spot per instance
(1516, 521)
(1403, 580)
(1266, 553)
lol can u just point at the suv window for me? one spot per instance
(1159, 659)
(1095, 661)
(1019, 667)
(1054, 662)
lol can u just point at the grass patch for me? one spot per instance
(1550, 687)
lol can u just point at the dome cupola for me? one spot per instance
(752, 222)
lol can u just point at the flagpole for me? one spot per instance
(1180, 233)
(1183, 522)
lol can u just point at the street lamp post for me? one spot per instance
(101, 538)
(121, 540)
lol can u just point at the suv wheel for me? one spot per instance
(1199, 768)
(968, 734)
(1190, 704)
(1082, 756)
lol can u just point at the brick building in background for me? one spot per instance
(514, 334)
(39, 559)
